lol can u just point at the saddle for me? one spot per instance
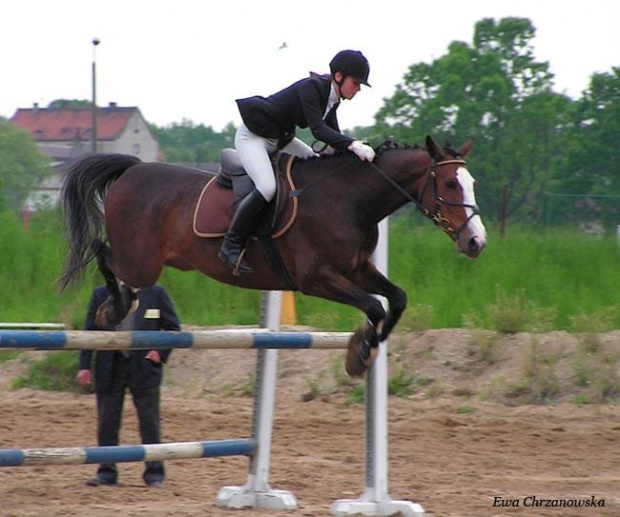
(222, 193)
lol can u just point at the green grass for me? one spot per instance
(57, 372)
(529, 280)
(537, 275)
(400, 384)
(9, 355)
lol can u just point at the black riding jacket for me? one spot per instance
(302, 105)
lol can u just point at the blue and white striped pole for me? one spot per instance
(126, 453)
(149, 339)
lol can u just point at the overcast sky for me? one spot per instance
(190, 59)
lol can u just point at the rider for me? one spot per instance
(269, 124)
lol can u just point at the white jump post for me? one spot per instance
(256, 492)
(375, 499)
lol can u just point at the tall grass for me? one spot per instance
(30, 262)
(562, 272)
(565, 275)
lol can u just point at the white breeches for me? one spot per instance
(254, 155)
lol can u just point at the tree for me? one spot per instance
(69, 103)
(496, 92)
(590, 164)
(188, 142)
(592, 160)
(22, 165)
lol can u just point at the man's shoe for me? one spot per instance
(100, 482)
(155, 484)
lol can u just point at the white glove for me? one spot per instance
(363, 151)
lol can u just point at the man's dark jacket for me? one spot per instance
(300, 105)
(155, 312)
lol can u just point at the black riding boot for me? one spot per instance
(243, 222)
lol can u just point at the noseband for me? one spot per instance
(436, 216)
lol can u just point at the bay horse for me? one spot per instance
(149, 209)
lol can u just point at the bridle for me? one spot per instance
(436, 216)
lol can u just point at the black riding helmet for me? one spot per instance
(351, 63)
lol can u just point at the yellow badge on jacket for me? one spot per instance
(151, 314)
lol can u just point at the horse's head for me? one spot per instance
(448, 198)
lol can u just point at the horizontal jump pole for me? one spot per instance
(152, 340)
(38, 326)
(126, 453)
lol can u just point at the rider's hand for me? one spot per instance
(363, 151)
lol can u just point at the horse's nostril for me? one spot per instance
(473, 245)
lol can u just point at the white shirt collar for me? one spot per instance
(333, 99)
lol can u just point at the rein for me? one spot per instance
(298, 192)
(436, 216)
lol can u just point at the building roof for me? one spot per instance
(72, 124)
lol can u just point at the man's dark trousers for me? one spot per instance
(109, 412)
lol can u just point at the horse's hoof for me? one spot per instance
(109, 315)
(360, 353)
(103, 317)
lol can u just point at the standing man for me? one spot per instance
(140, 371)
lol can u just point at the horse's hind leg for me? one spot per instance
(121, 299)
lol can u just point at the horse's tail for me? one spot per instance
(83, 194)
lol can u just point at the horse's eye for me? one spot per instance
(451, 184)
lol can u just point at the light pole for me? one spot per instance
(94, 106)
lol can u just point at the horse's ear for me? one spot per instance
(464, 149)
(433, 149)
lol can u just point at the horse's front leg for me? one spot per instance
(371, 280)
(363, 346)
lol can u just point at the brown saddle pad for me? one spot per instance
(214, 209)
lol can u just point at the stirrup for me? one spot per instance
(242, 266)
(239, 266)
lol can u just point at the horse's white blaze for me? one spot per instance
(475, 226)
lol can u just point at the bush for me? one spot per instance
(57, 372)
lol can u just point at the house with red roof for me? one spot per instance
(64, 133)
(119, 130)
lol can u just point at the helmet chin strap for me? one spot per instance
(340, 83)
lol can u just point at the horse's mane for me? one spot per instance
(390, 145)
